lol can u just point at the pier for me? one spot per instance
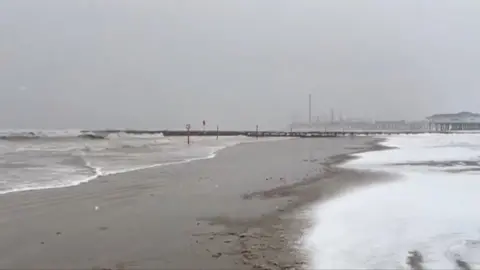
(299, 134)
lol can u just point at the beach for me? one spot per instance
(237, 210)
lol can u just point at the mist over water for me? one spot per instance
(432, 208)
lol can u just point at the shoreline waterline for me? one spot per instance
(62, 164)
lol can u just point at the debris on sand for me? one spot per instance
(415, 260)
(217, 255)
(463, 265)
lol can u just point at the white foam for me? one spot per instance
(427, 209)
(73, 181)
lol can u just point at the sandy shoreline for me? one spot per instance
(235, 211)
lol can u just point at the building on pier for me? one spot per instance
(457, 121)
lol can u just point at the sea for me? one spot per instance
(431, 206)
(32, 160)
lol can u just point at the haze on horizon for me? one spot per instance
(237, 63)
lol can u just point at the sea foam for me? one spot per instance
(429, 209)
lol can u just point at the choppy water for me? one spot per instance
(51, 159)
(433, 208)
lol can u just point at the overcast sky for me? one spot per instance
(238, 63)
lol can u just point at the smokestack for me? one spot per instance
(310, 109)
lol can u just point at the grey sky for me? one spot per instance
(163, 63)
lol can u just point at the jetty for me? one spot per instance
(300, 134)
(255, 133)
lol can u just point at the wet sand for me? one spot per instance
(235, 211)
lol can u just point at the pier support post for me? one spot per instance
(217, 132)
(257, 133)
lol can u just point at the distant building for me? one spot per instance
(457, 121)
(418, 125)
(362, 125)
(391, 125)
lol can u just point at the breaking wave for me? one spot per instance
(66, 135)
